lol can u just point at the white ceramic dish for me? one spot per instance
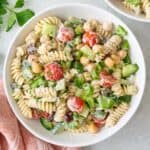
(67, 139)
(117, 6)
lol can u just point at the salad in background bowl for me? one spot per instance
(77, 75)
(138, 10)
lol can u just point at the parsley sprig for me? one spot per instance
(13, 14)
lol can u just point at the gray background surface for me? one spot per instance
(136, 134)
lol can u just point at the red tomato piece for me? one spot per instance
(65, 34)
(53, 72)
(90, 38)
(106, 79)
(99, 122)
(44, 114)
(75, 104)
(35, 114)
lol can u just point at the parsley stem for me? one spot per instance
(9, 9)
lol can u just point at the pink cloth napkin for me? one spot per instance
(13, 136)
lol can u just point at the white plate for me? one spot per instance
(117, 6)
(68, 139)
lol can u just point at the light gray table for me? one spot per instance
(136, 134)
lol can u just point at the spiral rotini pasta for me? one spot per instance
(16, 72)
(44, 106)
(124, 89)
(146, 7)
(17, 94)
(43, 92)
(55, 56)
(112, 45)
(21, 51)
(115, 115)
(70, 73)
(97, 88)
(25, 110)
(49, 20)
(60, 111)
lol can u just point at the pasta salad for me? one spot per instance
(74, 75)
(138, 6)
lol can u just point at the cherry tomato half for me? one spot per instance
(53, 72)
(90, 38)
(106, 79)
(65, 34)
(75, 104)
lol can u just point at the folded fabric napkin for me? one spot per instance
(13, 136)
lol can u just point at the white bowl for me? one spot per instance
(117, 6)
(68, 139)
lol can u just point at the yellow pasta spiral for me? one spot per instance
(112, 45)
(60, 112)
(44, 106)
(25, 110)
(55, 56)
(115, 115)
(16, 72)
(48, 20)
(146, 7)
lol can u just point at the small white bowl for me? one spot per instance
(117, 6)
(68, 139)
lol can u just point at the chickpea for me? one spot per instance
(84, 60)
(115, 58)
(32, 58)
(36, 67)
(89, 67)
(108, 26)
(92, 128)
(109, 62)
(98, 48)
(122, 54)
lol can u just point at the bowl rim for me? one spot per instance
(5, 75)
(132, 17)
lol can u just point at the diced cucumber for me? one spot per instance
(99, 114)
(46, 124)
(85, 112)
(87, 51)
(59, 127)
(60, 85)
(105, 102)
(129, 70)
(49, 29)
(79, 30)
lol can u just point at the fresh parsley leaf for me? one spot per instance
(1, 21)
(24, 16)
(11, 21)
(19, 3)
(2, 10)
(3, 2)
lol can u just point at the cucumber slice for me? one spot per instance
(46, 124)
(87, 51)
(49, 29)
(85, 112)
(129, 70)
